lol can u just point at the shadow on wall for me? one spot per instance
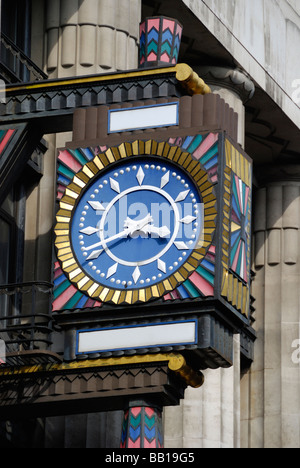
(99, 430)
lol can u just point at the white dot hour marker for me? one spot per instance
(112, 270)
(165, 180)
(114, 185)
(182, 196)
(140, 176)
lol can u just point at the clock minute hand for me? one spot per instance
(134, 226)
(124, 233)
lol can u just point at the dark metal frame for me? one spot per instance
(22, 62)
(20, 331)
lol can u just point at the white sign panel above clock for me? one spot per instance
(137, 118)
(135, 337)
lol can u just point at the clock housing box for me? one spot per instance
(208, 287)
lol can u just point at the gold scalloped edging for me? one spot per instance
(176, 363)
(92, 169)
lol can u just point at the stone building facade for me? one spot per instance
(247, 54)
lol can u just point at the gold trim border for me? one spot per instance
(235, 292)
(80, 182)
(184, 74)
(233, 289)
(176, 363)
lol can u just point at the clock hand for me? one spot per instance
(162, 232)
(124, 233)
(134, 226)
(137, 225)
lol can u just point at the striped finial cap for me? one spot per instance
(160, 39)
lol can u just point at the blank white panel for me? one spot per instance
(145, 117)
(137, 337)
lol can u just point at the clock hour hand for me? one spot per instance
(130, 228)
(134, 225)
(162, 232)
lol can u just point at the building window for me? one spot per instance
(16, 26)
(6, 239)
(5, 236)
(12, 212)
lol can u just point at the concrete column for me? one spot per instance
(91, 36)
(234, 86)
(208, 417)
(272, 418)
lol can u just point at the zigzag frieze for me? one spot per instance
(24, 104)
(81, 383)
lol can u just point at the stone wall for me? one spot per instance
(271, 398)
(261, 36)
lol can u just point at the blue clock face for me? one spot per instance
(137, 224)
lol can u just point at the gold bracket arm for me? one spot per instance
(178, 364)
(190, 80)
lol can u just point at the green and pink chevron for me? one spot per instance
(142, 428)
(160, 40)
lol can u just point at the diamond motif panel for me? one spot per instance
(240, 228)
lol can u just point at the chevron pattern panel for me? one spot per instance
(5, 137)
(160, 40)
(66, 296)
(240, 228)
(142, 428)
(236, 229)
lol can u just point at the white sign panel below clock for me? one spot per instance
(137, 118)
(114, 339)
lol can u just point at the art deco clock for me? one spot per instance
(153, 228)
(135, 226)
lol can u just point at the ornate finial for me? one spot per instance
(160, 39)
